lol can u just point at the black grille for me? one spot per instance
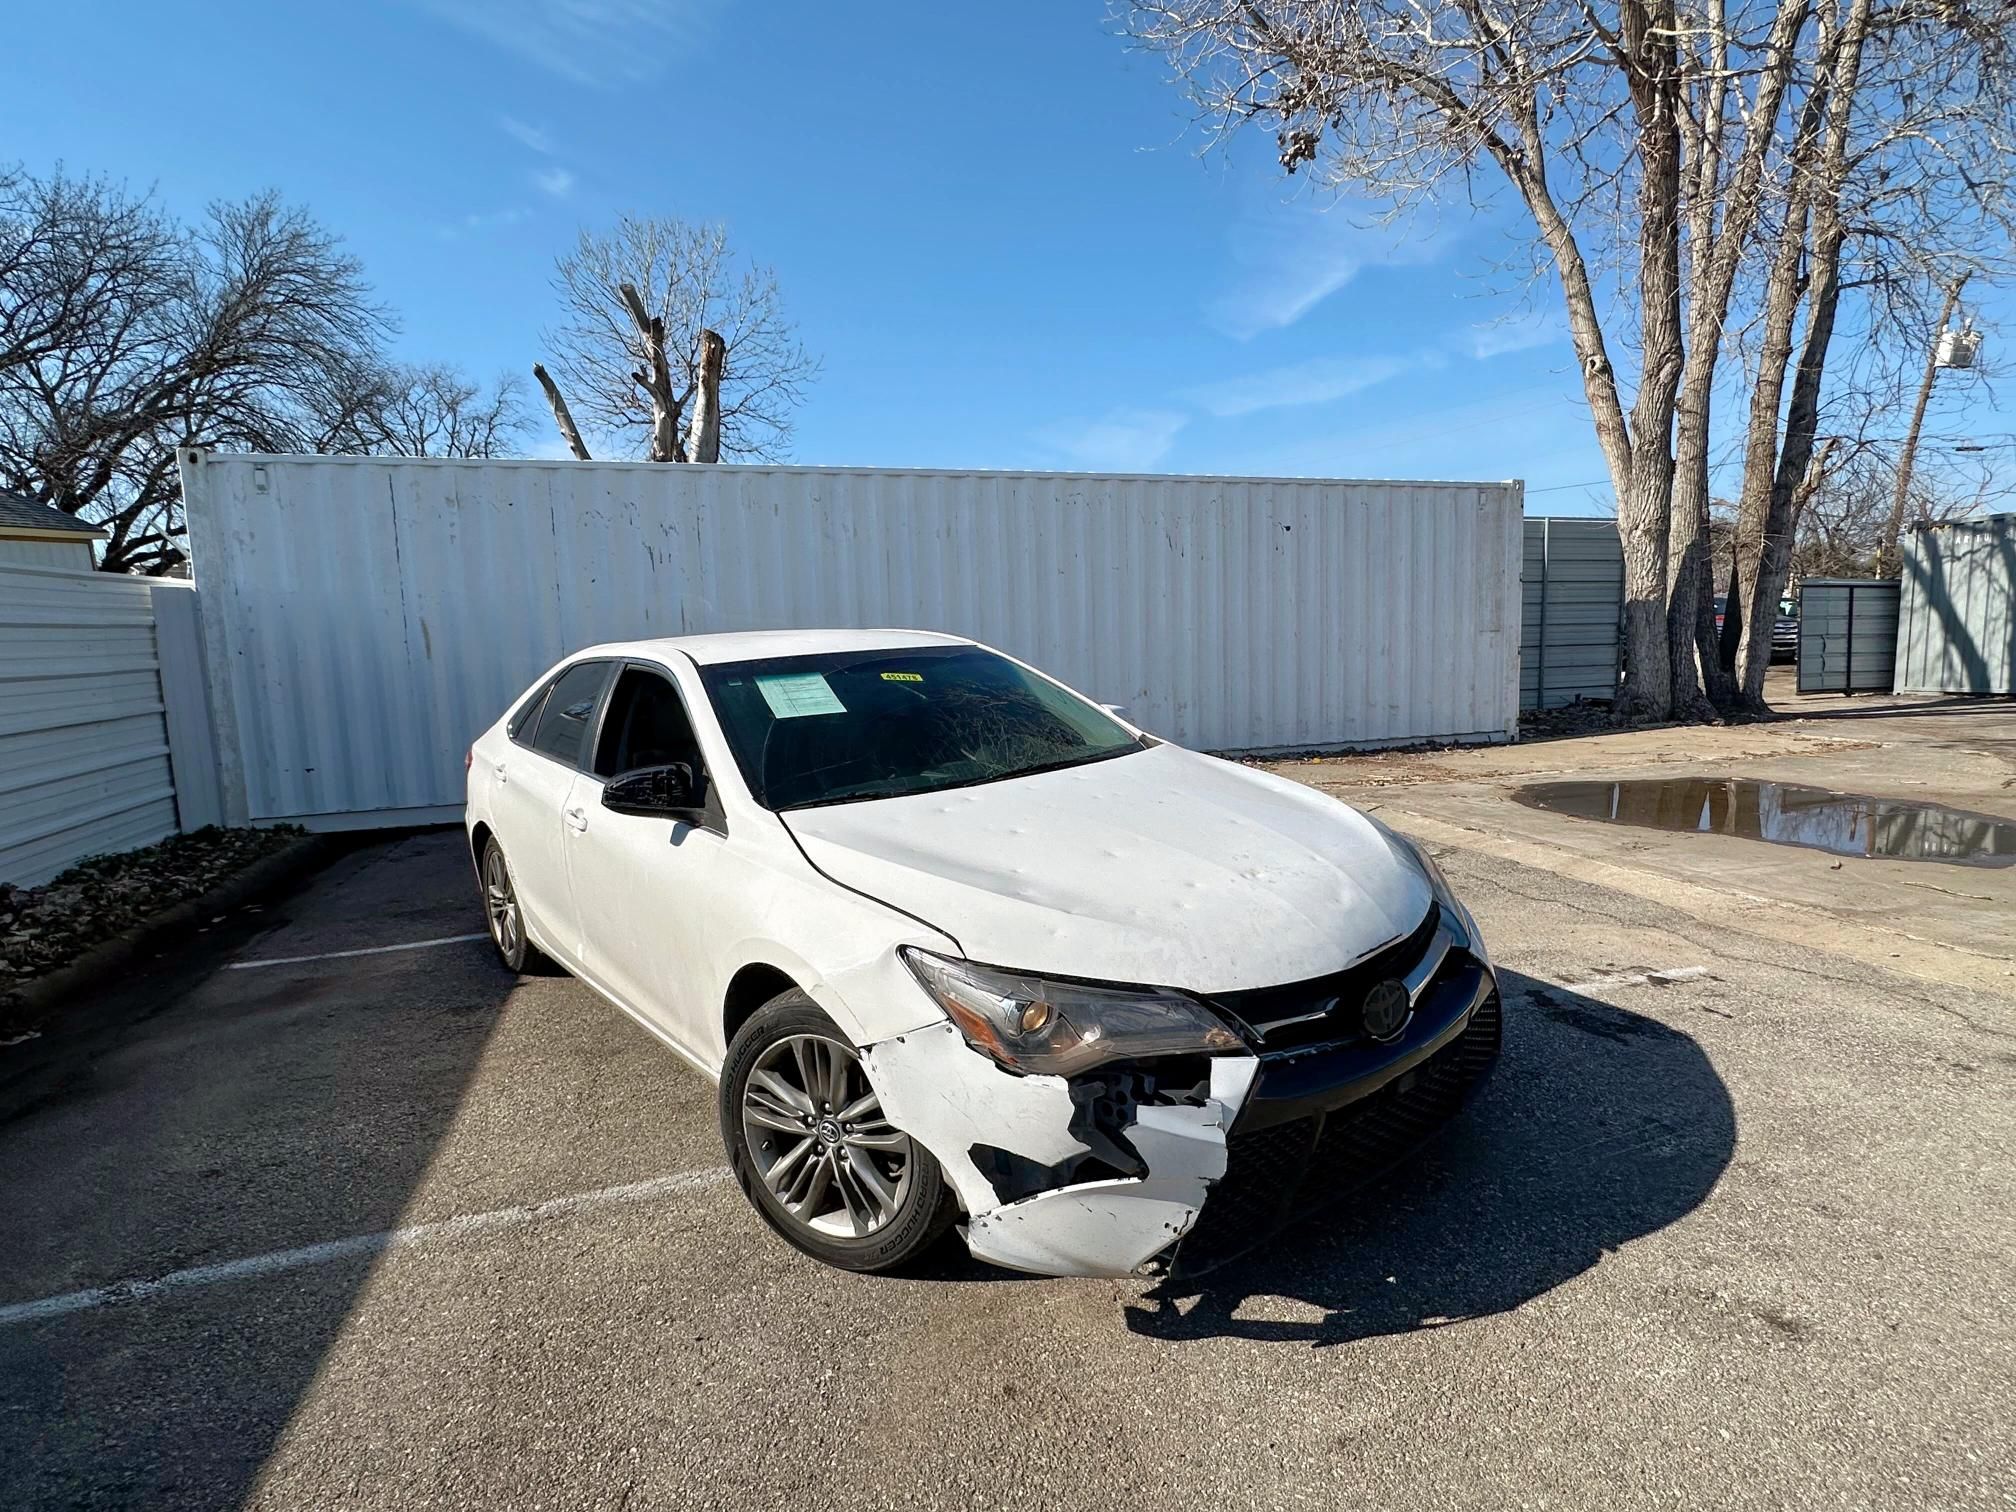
(1291, 1170)
(1271, 1012)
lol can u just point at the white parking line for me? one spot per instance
(338, 955)
(1641, 979)
(442, 1231)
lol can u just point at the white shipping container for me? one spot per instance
(366, 617)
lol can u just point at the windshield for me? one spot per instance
(850, 725)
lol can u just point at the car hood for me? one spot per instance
(1162, 867)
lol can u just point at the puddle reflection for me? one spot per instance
(1782, 813)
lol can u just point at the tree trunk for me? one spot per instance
(703, 440)
(1644, 509)
(1774, 354)
(1772, 558)
(1718, 257)
(1886, 549)
(562, 416)
(655, 378)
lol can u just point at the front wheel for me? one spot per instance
(809, 1144)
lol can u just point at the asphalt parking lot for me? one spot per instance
(1734, 1225)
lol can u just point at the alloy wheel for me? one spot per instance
(500, 903)
(816, 1133)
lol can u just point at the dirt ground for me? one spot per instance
(1942, 923)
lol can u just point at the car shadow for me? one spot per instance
(1599, 1127)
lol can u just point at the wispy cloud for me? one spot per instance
(1516, 333)
(599, 43)
(1317, 381)
(526, 135)
(1125, 440)
(555, 181)
(478, 222)
(1292, 257)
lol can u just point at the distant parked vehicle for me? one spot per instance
(1784, 630)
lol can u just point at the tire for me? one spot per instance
(855, 1192)
(506, 916)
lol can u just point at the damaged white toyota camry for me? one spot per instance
(960, 946)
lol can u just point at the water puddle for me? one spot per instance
(1783, 813)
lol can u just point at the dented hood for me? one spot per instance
(1161, 867)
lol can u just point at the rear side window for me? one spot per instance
(564, 722)
(527, 718)
(646, 726)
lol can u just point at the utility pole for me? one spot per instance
(1886, 551)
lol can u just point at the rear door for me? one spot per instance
(533, 795)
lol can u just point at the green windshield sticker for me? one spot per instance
(902, 677)
(794, 695)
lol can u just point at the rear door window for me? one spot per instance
(569, 714)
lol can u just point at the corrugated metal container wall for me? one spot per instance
(1571, 582)
(84, 765)
(1959, 628)
(365, 618)
(1847, 635)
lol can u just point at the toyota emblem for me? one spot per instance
(1386, 1009)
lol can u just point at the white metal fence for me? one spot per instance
(365, 617)
(85, 755)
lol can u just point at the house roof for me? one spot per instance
(18, 514)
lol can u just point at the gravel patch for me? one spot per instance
(44, 928)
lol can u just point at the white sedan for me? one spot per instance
(963, 947)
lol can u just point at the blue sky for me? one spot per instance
(993, 224)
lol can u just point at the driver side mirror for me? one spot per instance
(661, 792)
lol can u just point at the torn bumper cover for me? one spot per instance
(1091, 1176)
(1103, 1174)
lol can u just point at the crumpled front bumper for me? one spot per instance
(1092, 1176)
(1101, 1174)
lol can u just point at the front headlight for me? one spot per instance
(1040, 1025)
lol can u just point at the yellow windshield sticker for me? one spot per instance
(902, 677)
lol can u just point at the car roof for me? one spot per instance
(761, 645)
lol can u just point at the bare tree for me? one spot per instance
(1701, 163)
(128, 336)
(125, 335)
(562, 415)
(637, 305)
(1897, 184)
(426, 410)
(1729, 140)
(1579, 115)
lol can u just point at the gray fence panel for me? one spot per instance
(1847, 635)
(1572, 599)
(1959, 626)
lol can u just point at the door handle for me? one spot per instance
(577, 819)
